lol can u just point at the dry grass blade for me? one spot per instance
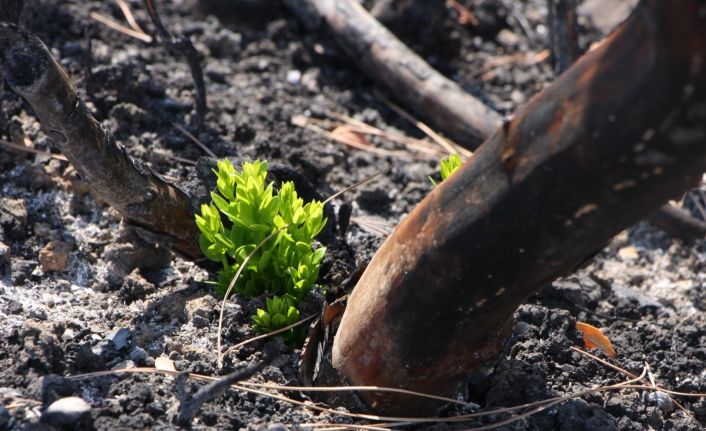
(448, 146)
(350, 140)
(488, 71)
(357, 388)
(122, 4)
(373, 226)
(195, 140)
(121, 28)
(267, 335)
(413, 144)
(351, 187)
(536, 406)
(232, 285)
(465, 16)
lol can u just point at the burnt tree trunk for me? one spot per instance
(617, 135)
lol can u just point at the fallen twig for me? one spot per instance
(563, 33)
(182, 47)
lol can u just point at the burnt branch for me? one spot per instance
(182, 47)
(145, 200)
(610, 141)
(384, 58)
(679, 223)
(563, 33)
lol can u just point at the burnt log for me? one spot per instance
(160, 210)
(447, 107)
(616, 136)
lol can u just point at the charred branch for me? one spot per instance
(616, 136)
(182, 47)
(563, 34)
(160, 209)
(384, 58)
(679, 223)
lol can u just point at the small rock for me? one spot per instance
(135, 287)
(13, 218)
(4, 255)
(662, 401)
(69, 411)
(507, 38)
(4, 418)
(294, 76)
(120, 338)
(200, 322)
(123, 365)
(21, 270)
(54, 256)
(55, 387)
(139, 356)
(128, 252)
(628, 253)
(203, 307)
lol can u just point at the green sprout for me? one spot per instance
(448, 167)
(243, 213)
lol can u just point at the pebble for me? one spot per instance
(294, 76)
(140, 356)
(67, 411)
(120, 337)
(13, 218)
(55, 256)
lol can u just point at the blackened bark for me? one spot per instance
(616, 136)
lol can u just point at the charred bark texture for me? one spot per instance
(160, 209)
(384, 58)
(617, 135)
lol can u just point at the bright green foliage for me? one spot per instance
(280, 312)
(448, 167)
(244, 212)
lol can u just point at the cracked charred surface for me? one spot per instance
(140, 195)
(617, 135)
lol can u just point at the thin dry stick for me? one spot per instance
(369, 148)
(121, 28)
(194, 140)
(447, 145)
(412, 143)
(122, 4)
(31, 150)
(540, 405)
(267, 335)
(356, 388)
(349, 188)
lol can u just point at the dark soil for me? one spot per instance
(80, 293)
